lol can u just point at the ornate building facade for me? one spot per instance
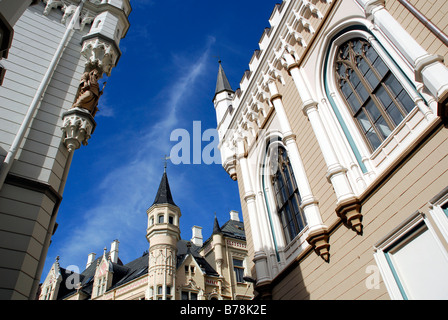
(337, 137)
(172, 268)
(56, 53)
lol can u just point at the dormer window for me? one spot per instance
(101, 286)
(47, 293)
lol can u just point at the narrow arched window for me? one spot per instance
(286, 194)
(376, 99)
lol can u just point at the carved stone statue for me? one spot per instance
(88, 92)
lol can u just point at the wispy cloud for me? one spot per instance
(125, 192)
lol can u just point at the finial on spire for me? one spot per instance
(219, 59)
(165, 159)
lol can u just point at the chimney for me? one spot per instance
(234, 215)
(114, 251)
(90, 259)
(197, 236)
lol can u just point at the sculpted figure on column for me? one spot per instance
(89, 92)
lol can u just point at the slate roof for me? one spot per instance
(87, 276)
(234, 229)
(164, 192)
(216, 227)
(231, 229)
(186, 248)
(222, 84)
(133, 270)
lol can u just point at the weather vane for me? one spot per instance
(165, 159)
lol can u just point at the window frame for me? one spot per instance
(291, 200)
(438, 210)
(188, 294)
(238, 270)
(396, 238)
(372, 99)
(343, 131)
(101, 285)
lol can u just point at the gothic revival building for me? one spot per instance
(54, 55)
(337, 137)
(172, 268)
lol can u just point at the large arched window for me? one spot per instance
(376, 99)
(286, 194)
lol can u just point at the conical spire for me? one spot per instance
(222, 84)
(216, 227)
(164, 192)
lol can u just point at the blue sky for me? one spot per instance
(165, 80)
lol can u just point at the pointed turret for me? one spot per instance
(216, 227)
(164, 192)
(222, 84)
(223, 96)
(218, 243)
(222, 101)
(162, 233)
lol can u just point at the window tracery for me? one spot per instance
(375, 98)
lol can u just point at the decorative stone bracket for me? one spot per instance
(230, 167)
(78, 125)
(319, 240)
(350, 213)
(100, 52)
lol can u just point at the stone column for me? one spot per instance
(336, 173)
(317, 230)
(260, 256)
(429, 69)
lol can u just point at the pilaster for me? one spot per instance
(309, 202)
(336, 173)
(428, 68)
